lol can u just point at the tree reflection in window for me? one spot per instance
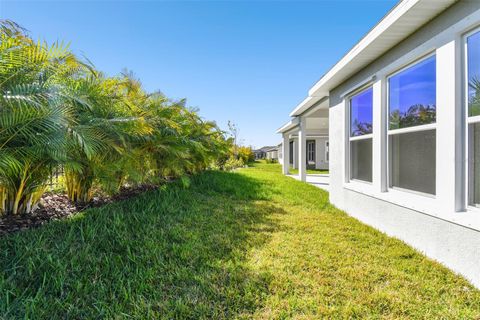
(412, 95)
(415, 115)
(361, 113)
(361, 128)
(474, 97)
(473, 76)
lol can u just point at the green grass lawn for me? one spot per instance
(251, 244)
(309, 171)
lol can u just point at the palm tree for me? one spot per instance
(105, 132)
(32, 115)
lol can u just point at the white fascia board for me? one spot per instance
(407, 17)
(289, 125)
(307, 104)
(393, 16)
(304, 105)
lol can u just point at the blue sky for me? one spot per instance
(414, 85)
(250, 62)
(361, 111)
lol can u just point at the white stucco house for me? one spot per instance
(272, 153)
(401, 111)
(261, 153)
(313, 152)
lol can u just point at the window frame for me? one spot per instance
(311, 151)
(359, 90)
(467, 120)
(291, 153)
(391, 132)
(461, 214)
(327, 151)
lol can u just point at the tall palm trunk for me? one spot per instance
(79, 185)
(19, 194)
(23, 192)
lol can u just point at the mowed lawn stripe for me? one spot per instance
(248, 244)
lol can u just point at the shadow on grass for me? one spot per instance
(171, 253)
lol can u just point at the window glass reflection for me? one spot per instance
(361, 113)
(412, 95)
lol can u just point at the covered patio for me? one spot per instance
(321, 181)
(305, 143)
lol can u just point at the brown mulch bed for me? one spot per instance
(53, 206)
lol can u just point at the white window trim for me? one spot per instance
(362, 137)
(468, 120)
(311, 152)
(473, 119)
(424, 127)
(468, 216)
(364, 87)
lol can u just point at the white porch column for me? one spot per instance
(449, 115)
(286, 154)
(302, 145)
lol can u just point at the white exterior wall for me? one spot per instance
(320, 159)
(456, 246)
(272, 155)
(442, 226)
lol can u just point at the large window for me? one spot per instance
(473, 118)
(311, 152)
(361, 106)
(291, 153)
(412, 128)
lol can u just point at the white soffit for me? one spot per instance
(289, 125)
(403, 20)
(316, 123)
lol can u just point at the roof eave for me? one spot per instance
(307, 103)
(288, 126)
(381, 38)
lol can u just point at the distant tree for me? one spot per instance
(246, 154)
(234, 132)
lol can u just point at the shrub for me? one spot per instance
(233, 163)
(56, 110)
(246, 154)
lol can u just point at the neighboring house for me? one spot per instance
(262, 152)
(402, 109)
(316, 151)
(272, 153)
